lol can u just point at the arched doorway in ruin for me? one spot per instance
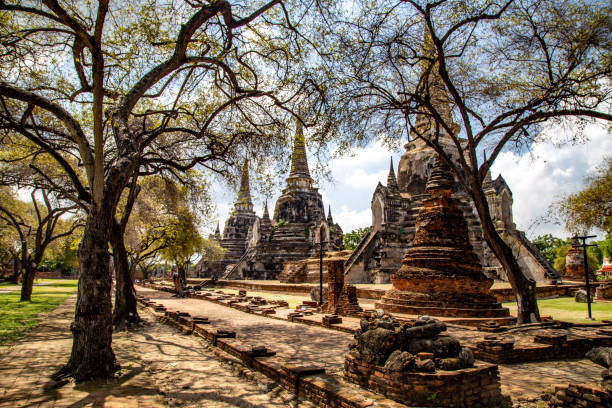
(322, 235)
(506, 208)
(254, 234)
(378, 214)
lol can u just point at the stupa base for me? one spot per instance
(442, 311)
(442, 304)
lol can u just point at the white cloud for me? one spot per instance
(372, 155)
(361, 180)
(350, 220)
(567, 173)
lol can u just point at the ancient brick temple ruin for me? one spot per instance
(441, 274)
(341, 298)
(574, 264)
(235, 232)
(395, 206)
(307, 270)
(260, 246)
(604, 291)
(414, 363)
(588, 395)
(394, 209)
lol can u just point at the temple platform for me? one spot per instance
(395, 306)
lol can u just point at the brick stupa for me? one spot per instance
(440, 274)
(574, 264)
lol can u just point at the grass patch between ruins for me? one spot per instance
(568, 310)
(17, 317)
(292, 300)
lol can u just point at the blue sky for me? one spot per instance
(536, 178)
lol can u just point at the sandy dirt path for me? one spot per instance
(160, 367)
(326, 347)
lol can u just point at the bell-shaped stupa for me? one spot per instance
(441, 275)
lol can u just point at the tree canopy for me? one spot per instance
(548, 245)
(353, 238)
(36, 224)
(94, 95)
(591, 207)
(605, 246)
(109, 91)
(167, 220)
(466, 77)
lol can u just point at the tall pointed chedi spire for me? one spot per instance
(265, 219)
(330, 220)
(432, 88)
(299, 163)
(244, 202)
(391, 180)
(299, 175)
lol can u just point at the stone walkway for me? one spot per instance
(159, 368)
(296, 342)
(326, 347)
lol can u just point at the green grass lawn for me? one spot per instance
(568, 310)
(4, 284)
(17, 317)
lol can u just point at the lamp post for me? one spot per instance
(321, 243)
(584, 246)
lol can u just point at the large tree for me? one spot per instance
(158, 215)
(37, 224)
(590, 207)
(353, 238)
(111, 89)
(9, 253)
(125, 312)
(178, 224)
(548, 245)
(471, 76)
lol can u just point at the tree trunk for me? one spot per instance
(126, 310)
(524, 288)
(16, 270)
(145, 272)
(92, 356)
(27, 282)
(182, 273)
(179, 286)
